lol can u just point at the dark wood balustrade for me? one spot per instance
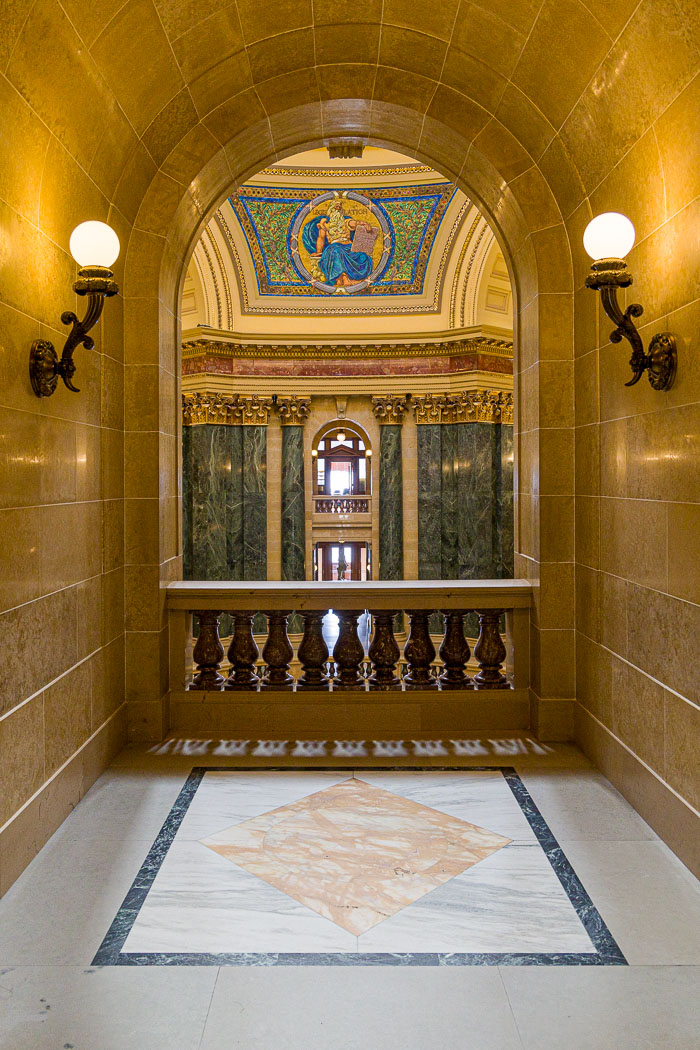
(503, 663)
(341, 504)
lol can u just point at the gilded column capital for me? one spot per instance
(389, 409)
(293, 411)
(467, 406)
(205, 408)
(228, 409)
(428, 407)
(251, 411)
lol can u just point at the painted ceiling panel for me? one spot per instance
(364, 241)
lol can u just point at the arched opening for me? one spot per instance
(370, 287)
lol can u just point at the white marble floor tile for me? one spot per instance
(201, 902)
(648, 899)
(584, 805)
(480, 797)
(591, 1008)
(48, 1008)
(512, 902)
(360, 1008)
(229, 798)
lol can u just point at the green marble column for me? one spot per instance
(390, 503)
(449, 510)
(254, 500)
(465, 501)
(429, 502)
(479, 478)
(293, 513)
(211, 464)
(224, 502)
(506, 501)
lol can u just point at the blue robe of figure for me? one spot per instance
(336, 258)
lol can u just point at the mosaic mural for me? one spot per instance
(372, 242)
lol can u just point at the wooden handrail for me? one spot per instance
(188, 595)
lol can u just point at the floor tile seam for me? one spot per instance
(511, 1010)
(211, 1000)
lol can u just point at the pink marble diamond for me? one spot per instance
(355, 853)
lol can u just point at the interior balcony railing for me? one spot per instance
(342, 504)
(434, 683)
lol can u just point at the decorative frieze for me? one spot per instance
(468, 406)
(293, 411)
(389, 409)
(227, 409)
(438, 348)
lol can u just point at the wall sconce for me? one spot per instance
(368, 453)
(314, 452)
(608, 239)
(95, 247)
(340, 436)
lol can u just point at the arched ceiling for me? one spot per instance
(268, 261)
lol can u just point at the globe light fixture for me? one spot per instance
(340, 436)
(95, 247)
(608, 238)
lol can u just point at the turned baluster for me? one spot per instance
(419, 651)
(242, 653)
(454, 652)
(490, 651)
(277, 653)
(313, 653)
(384, 652)
(208, 652)
(348, 653)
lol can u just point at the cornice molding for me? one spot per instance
(293, 411)
(389, 409)
(227, 409)
(436, 348)
(468, 406)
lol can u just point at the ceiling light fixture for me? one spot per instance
(608, 239)
(95, 248)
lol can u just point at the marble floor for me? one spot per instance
(502, 895)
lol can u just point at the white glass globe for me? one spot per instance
(609, 236)
(94, 244)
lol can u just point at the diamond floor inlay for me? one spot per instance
(379, 866)
(354, 852)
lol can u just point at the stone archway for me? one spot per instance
(536, 248)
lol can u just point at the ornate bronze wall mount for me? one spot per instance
(660, 361)
(45, 368)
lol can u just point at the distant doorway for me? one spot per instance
(342, 561)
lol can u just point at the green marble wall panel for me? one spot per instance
(235, 509)
(465, 501)
(476, 500)
(207, 496)
(506, 532)
(224, 502)
(254, 503)
(390, 503)
(429, 512)
(293, 513)
(449, 553)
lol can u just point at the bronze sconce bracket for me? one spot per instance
(45, 368)
(660, 361)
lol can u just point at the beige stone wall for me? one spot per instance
(637, 479)
(544, 114)
(62, 711)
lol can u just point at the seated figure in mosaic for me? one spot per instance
(329, 239)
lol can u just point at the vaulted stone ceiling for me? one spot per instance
(433, 264)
